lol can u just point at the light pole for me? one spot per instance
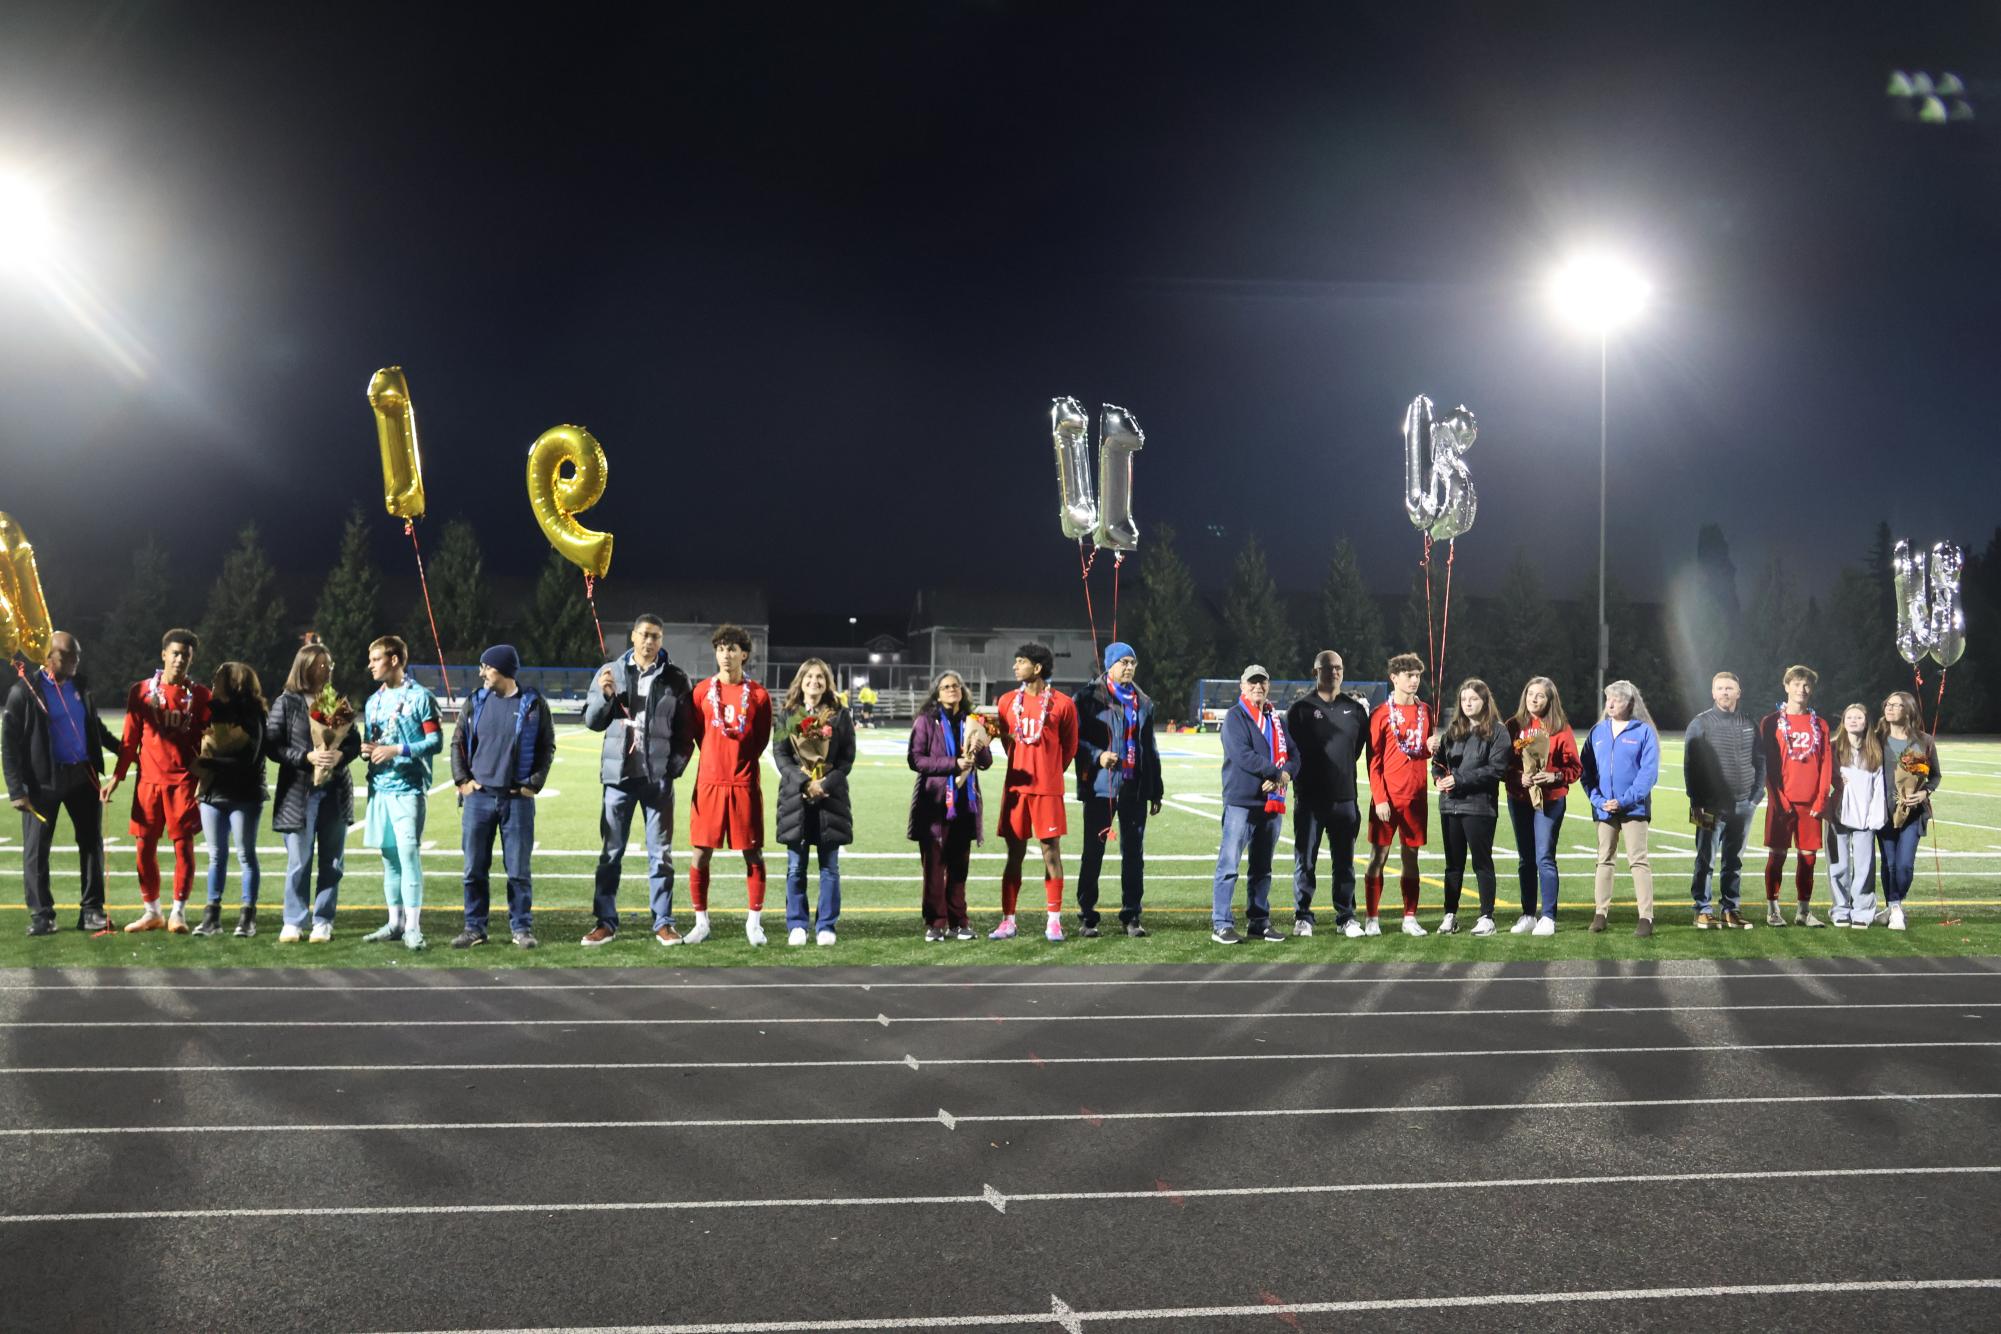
(1598, 293)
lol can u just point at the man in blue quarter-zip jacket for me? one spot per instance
(501, 753)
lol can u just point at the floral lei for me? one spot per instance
(742, 708)
(1397, 729)
(1019, 731)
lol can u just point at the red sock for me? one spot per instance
(1803, 876)
(754, 880)
(1052, 892)
(148, 856)
(1775, 873)
(184, 869)
(1372, 886)
(1408, 884)
(698, 887)
(1010, 891)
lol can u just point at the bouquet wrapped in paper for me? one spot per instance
(988, 731)
(1911, 777)
(332, 720)
(812, 735)
(1533, 748)
(221, 741)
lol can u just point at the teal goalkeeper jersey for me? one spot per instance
(406, 716)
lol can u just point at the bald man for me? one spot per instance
(52, 747)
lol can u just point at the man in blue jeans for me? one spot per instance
(501, 752)
(1258, 762)
(1724, 767)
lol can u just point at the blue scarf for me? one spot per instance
(1128, 698)
(946, 724)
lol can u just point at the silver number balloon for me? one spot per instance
(1948, 618)
(1071, 431)
(1438, 492)
(1119, 438)
(1914, 621)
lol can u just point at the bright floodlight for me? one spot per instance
(26, 233)
(1598, 292)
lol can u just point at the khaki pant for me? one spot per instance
(1634, 833)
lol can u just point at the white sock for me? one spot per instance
(1007, 917)
(1055, 918)
(412, 921)
(395, 917)
(757, 916)
(701, 919)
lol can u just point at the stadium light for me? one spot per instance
(27, 234)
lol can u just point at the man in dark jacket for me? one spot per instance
(1331, 731)
(1258, 765)
(641, 705)
(1724, 767)
(52, 747)
(1118, 770)
(501, 752)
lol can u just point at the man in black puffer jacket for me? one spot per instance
(1725, 770)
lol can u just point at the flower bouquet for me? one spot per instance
(332, 719)
(1912, 772)
(1533, 748)
(812, 735)
(990, 730)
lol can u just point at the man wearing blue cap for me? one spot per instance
(1118, 770)
(501, 752)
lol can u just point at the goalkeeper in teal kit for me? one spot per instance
(401, 733)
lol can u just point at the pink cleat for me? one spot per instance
(1054, 931)
(1005, 931)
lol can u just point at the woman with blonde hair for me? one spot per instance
(1857, 807)
(1911, 775)
(814, 751)
(1621, 763)
(1536, 796)
(1469, 760)
(314, 802)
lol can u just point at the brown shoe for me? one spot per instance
(600, 935)
(1645, 928)
(1703, 921)
(1597, 921)
(667, 935)
(150, 920)
(1735, 921)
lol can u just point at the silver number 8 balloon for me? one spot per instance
(1438, 492)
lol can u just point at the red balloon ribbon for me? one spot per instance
(410, 531)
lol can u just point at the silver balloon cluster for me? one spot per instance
(1103, 513)
(1437, 490)
(1930, 619)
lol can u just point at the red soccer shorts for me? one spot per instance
(165, 808)
(1789, 826)
(1411, 821)
(1029, 818)
(726, 817)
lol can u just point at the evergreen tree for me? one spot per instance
(1770, 638)
(1254, 621)
(559, 632)
(1525, 637)
(459, 596)
(1639, 653)
(128, 646)
(245, 617)
(1171, 636)
(1420, 625)
(1351, 622)
(349, 614)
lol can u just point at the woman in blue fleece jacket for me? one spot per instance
(1622, 762)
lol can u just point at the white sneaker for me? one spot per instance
(1374, 928)
(291, 935)
(824, 938)
(1523, 925)
(753, 930)
(1301, 928)
(1449, 926)
(1484, 927)
(1410, 926)
(699, 934)
(322, 933)
(1544, 926)
(1353, 930)
(1897, 918)
(796, 936)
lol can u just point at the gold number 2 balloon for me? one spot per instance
(396, 430)
(24, 613)
(557, 497)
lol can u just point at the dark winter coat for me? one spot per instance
(288, 740)
(670, 726)
(1477, 765)
(27, 752)
(1247, 761)
(831, 819)
(1101, 726)
(934, 768)
(238, 776)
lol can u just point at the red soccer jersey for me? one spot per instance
(1799, 759)
(1040, 733)
(1398, 759)
(163, 756)
(735, 729)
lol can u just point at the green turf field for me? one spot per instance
(880, 920)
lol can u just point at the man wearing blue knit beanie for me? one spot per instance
(1118, 772)
(501, 753)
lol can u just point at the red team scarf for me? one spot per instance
(1021, 730)
(1411, 741)
(1275, 738)
(1128, 698)
(718, 715)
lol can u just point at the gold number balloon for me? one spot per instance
(24, 612)
(557, 497)
(396, 430)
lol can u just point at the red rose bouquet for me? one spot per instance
(812, 736)
(332, 719)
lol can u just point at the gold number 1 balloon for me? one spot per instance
(24, 613)
(558, 497)
(396, 430)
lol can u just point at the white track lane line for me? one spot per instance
(1000, 1201)
(455, 987)
(912, 1062)
(884, 1021)
(950, 1119)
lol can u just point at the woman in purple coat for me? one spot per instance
(947, 749)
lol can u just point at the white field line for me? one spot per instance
(883, 1020)
(1000, 1201)
(911, 1062)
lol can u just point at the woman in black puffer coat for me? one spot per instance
(814, 749)
(1469, 760)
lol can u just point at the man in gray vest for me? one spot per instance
(1724, 767)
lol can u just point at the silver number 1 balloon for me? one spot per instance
(1119, 438)
(1071, 430)
(1914, 620)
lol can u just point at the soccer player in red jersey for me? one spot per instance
(1799, 774)
(1039, 729)
(733, 716)
(164, 721)
(1399, 756)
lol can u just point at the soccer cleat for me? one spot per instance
(599, 934)
(796, 936)
(1374, 928)
(828, 938)
(1544, 926)
(413, 940)
(1484, 927)
(289, 935)
(667, 935)
(1703, 921)
(1805, 917)
(385, 932)
(1226, 936)
(1054, 931)
(1354, 930)
(322, 933)
(1449, 924)
(177, 921)
(1897, 917)
(1523, 925)
(149, 920)
(246, 923)
(753, 930)
(698, 935)
(525, 940)
(211, 921)
(1773, 917)
(1411, 926)
(1302, 926)
(1005, 931)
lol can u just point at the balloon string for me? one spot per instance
(21, 670)
(591, 597)
(1445, 627)
(410, 531)
(1118, 560)
(1938, 866)
(1086, 558)
(1918, 694)
(1431, 640)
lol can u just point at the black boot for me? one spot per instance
(246, 922)
(211, 921)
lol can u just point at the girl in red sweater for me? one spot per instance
(1540, 728)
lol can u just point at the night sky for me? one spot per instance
(812, 274)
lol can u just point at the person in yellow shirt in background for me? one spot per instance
(865, 697)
